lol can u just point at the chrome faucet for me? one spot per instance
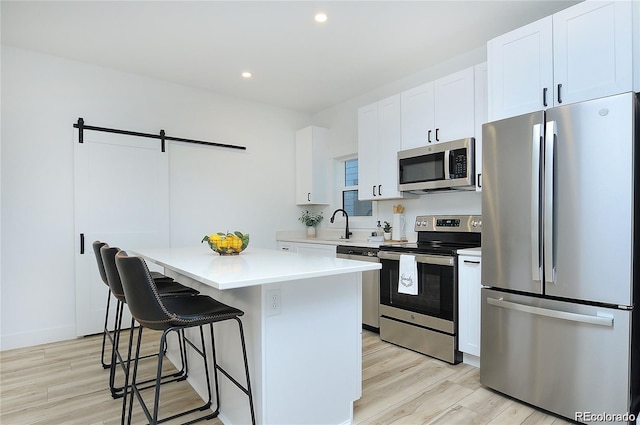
(347, 233)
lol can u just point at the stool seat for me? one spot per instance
(158, 277)
(172, 288)
(192, 311)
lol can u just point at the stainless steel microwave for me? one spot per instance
(441, 166)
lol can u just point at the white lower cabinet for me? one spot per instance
(321, 250)
(469, 308)
(287, 246)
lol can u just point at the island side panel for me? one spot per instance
(313, 350)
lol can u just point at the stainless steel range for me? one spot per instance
(424, 317)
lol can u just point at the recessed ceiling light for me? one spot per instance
(320, 17)
(246, 74)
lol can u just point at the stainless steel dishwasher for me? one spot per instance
(370, 283)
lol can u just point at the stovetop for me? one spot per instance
(441, 235)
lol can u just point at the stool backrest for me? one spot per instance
(96, 250)
(108, 255)
(143, 299)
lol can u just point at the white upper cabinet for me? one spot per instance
(438, 111)
(520, 70)
(592, 51)
(454, 106)
(378, 144)
(580, 53)
(311, 166)
(481, 106)
(418, 116)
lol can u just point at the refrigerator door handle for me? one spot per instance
(547, 222)
(555, 314)
(536, 269)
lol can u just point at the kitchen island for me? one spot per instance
(302, 327)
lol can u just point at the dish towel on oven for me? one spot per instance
(408, 280)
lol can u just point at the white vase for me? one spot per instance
(311, 232)
(387, 236)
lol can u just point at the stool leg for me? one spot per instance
(132, 386)
(127, 370)
(114, 350)
(106, 331)
(246, 390)
(246, 370)
(215, 368)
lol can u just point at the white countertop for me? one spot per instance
(476, 252)
(254, 266)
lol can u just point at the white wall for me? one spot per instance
(342, 122)
(211, 189)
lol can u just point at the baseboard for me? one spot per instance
(41, 336)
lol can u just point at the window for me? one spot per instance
(350, 202)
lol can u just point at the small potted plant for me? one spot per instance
(387, 230)
(311, 219)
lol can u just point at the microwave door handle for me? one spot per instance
(550, 139)
(536, 257)
(447, 159)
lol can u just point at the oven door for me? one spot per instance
(435, 304)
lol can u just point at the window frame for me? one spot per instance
(355, 222)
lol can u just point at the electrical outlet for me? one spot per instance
(274, 302)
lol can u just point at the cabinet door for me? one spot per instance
(311, 166)
(388, 146)
(304, 171)
(592, 51)
(367, 151)
(416, 116)
(480, 116)
(316, 249)
(453, 99)
(287, 246)
(469, 304)
(520, 70)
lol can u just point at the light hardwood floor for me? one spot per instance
(63, 383)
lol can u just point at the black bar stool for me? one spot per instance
(169, 314)
(158, 277)
(167, 287)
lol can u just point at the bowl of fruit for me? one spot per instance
(227, 243)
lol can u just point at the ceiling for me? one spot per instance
(296, 63)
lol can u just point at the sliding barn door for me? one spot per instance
(121, 198)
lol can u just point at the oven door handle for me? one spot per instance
(440, 260)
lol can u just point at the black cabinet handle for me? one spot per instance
(544, 96)
(471, 262)
(309, 196)
(437, 137)
(429, 136)
(379, 190)
(559, 95)
(479, 179)
(81, 243)
(373, 190)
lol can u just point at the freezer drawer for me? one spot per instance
(559, 356)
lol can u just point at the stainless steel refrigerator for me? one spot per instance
(560, 272)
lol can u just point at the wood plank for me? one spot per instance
(64, 382)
